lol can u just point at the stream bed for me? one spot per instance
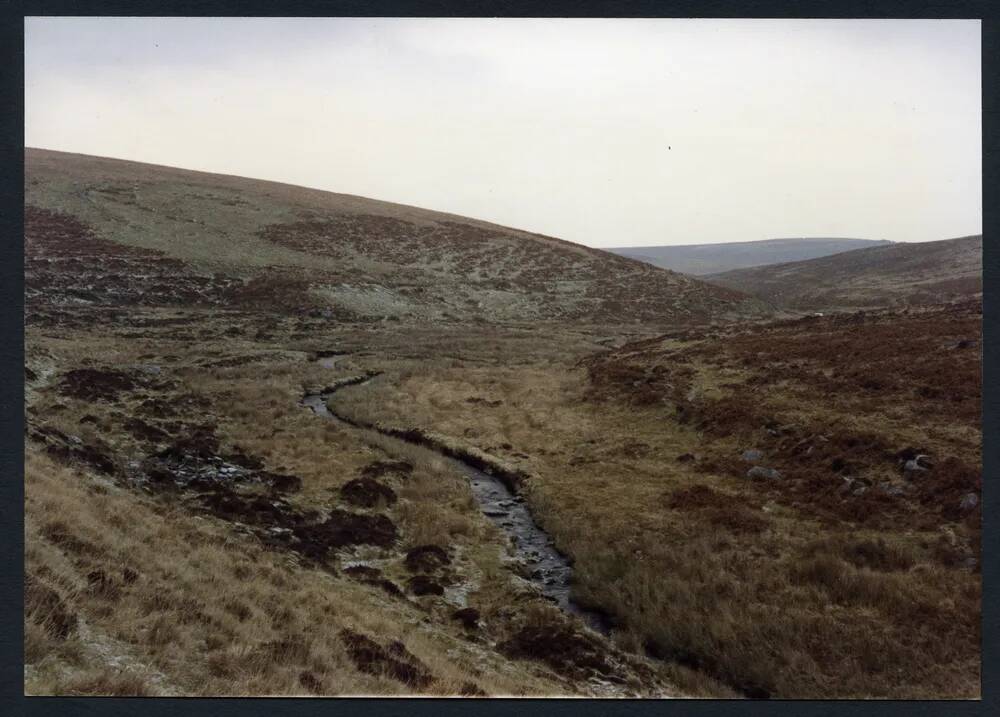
(547, 568)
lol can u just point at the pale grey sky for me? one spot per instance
(604, 132)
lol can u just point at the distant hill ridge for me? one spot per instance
(703, 259)
(898, 274)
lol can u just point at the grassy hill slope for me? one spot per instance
(899, 274)
(318, 250)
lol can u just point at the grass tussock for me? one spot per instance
(788, 589)
(175, 604)
(791, 588)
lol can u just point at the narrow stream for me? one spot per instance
(547, 568)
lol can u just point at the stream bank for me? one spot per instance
(495, 489)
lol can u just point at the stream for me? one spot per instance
(547, 568)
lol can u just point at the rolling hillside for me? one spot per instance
(283, 442)
(701, 259)
(898, 274)
(153, 234)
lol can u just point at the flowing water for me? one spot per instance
(546, 567)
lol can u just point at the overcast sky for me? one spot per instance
(605, 132)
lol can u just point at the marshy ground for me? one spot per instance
(192, 528)
(741, 507)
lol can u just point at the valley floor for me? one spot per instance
(785, 510)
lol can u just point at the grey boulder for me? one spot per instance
(969, 501)
(762, 473)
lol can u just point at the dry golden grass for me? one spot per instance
(740, 588)
(170, 601)
(748, 589)
(209, 609)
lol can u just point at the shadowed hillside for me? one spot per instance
(701, 259)
(899, 274)
(234, 240)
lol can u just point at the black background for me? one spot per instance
(12, 701)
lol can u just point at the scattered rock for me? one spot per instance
(762, 473)
(917, 465)
(685, 458)
(752, 455)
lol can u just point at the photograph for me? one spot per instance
(470, 357)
